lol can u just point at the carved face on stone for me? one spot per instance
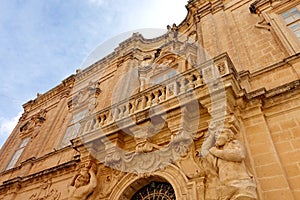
(223, 138)
(82, 179)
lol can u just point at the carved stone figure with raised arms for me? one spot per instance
(226, 158)
(83, 183)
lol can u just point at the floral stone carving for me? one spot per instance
(46, 192)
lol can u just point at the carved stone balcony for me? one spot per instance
(179, 86)
(161, 121)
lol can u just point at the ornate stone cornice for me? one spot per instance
(55, 92)
(256, 4)
(263, 93)
(36, 176)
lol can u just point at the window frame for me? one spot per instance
(18, 153)
(293, 21)
(73, 123)
(285, 35)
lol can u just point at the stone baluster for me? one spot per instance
(137, 104)
(101, 119)
(86, 126)
(131, 107)
(121, 111)
(127, 109)
(163, 94)
(97, 123)
(111, 116)
(117, 113)
(144, 101)
(91, 126)
(149, 100)
(155, 97)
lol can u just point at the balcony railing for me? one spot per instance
(169, 89)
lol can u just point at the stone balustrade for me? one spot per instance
(157, 94)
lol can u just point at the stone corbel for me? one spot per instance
(262, 23)
(84, 151)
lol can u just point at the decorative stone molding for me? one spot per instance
(140, 163)
(109, 182)
(183, 188)
(86, 96)
(46, 192)
(190, 164)
(53, 94)
(33, 125)
(256, 6)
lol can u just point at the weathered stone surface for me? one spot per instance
(208, 111)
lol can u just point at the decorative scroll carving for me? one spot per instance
(24, 116)
(86, 96)
(46, 192)
(226, 171)
(164, 64)
(189, 164)
(33, 125)
(83, 183)
(192, 37)
(110, 181)
(141, 163)
(145, 146)
(222, 68)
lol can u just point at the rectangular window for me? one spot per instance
(73, 128)
(292, 20)
(164, 76)
(18, 153)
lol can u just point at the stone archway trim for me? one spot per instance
(171, 174)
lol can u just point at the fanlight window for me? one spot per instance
(155, 190)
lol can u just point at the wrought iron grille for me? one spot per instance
(155, 191)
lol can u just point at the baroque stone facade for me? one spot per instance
(208, 111)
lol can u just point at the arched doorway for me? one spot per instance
(131, 184)
(155, 190)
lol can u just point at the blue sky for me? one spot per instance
(44, 41)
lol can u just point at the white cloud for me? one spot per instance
(45, 41)
(7, 126)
